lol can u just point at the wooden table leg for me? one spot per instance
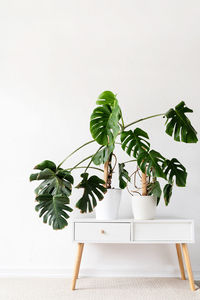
(77, 264)
(180, 260)
(188, 266)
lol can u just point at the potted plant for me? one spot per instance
(106, 123)
(107, 126)
(153, 165)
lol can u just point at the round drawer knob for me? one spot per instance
(102, 231)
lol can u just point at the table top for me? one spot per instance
(157, 220)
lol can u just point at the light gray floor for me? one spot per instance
(97, 289)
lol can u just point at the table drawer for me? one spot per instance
(163, 231)
(102, 232)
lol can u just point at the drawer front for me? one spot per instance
(102, 232)
(177, 231)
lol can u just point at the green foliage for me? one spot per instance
(135, 141)
(173, 168)
(93, 191)
(46, 164)
(103, 155)
(53, 194)
(167, 191)
(104, 125)
(179, 126)
(54, 209)
(123, 176)
(107, 98)
(33, 176)
(152, 160)
(45, 174)
(154, 189)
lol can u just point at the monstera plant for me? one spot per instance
(108, 131)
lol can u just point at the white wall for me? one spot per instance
(55, 58)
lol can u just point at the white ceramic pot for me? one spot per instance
(144, 207)
(108, 208)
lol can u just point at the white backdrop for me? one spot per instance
(55, 59)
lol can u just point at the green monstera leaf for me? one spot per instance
(167, 191)
(103, 155)
(54, 209)
(154, 189)
(93, 191)
(135, 141)
(123, 176)
(46, 164)
(151, 160)
(53, 194)
(179, 126)
(107, 98)
(173, 168)
(104, 125)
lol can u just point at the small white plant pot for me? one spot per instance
(144, 207)
(108, 208)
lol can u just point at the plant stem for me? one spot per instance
(81, 162)
(122, 119)
(92, 157)
(75, 151)
(158, 115)
(125, 162)
(82, 167)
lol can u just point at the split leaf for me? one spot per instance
(135, 141)
(93, 191)
(123, 176)
(178, 124)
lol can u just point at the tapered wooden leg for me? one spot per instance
(188, 266)
(180, 260)
(77, 264)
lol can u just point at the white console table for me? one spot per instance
(158, 231)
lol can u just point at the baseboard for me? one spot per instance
(67, 273)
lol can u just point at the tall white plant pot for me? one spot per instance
(108, 208)
(144, 207)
